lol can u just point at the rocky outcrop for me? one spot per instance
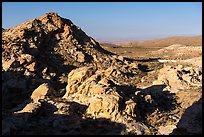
(37, 97)
(57, 79)
(179, 77)
(93, 87)
(47, 48)
(96, 89)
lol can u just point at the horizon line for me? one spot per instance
(142, 40)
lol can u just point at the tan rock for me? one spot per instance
(92, 88)
(179, 67)
(104, 106)
(27, 73)
(44, 70)
(75, 79)
(31, 67)
(96, 89)
(70, 37)
(175, 79)
(148, 98)
(166, 130)
(95, 58)
(187, 78)
(21, 33)
(28, 57)
(30, 108)
(66, 31)
(95, 107)
(21, 60)
(112, 71)
(104, 81)
(130, 107)
(170, 77)
(120, 58)
(133, 65)
(41, 92)
(80, 56)
(6, 64)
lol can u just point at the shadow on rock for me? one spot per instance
(191, 121)
(52, 62)
(49, 121)
(155, 98)
(143, 68)
(148, 100)
(16, 88)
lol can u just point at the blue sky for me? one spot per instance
(115, 21)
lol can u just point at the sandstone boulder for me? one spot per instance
(95, 89)
(76, 77)
(40, 93)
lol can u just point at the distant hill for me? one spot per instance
(164, 42)
(142, 49)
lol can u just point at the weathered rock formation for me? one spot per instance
(180, 77)
(46, 49)
(58, 80)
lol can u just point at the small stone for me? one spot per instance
(80, 56)
(148, 98)
(120, 58)
(133, 65)
(31, 67)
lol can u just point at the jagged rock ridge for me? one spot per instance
(46, 49)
